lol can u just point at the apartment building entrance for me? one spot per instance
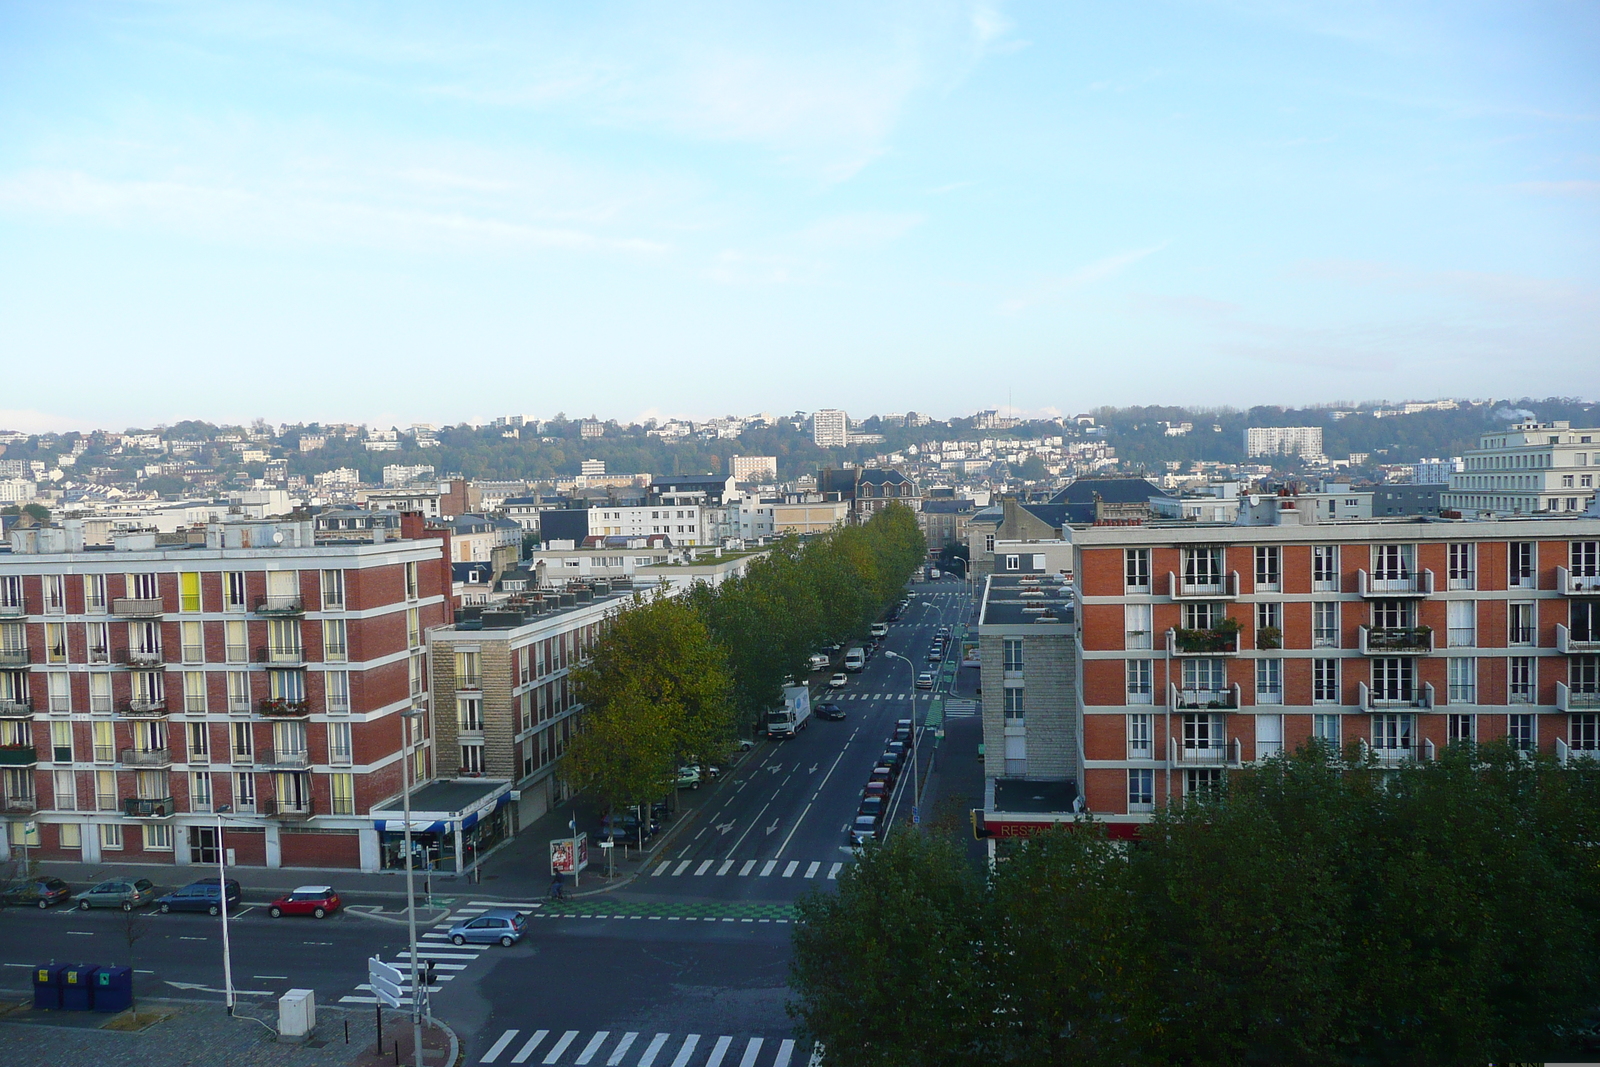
(202, 844)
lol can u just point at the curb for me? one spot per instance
(455, 1042)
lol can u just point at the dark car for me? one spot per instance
(831, 712)
(902, 730)
(317, 901)
(897, 747)
(872, 805)
(203, 895)
(877, 789)
(890, 759)
(884, 775)
(38, 893)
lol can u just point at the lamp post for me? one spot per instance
(222, 894)
(916, 792)
(411, 889)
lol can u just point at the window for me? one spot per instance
(468, 671)
(1392, 732)
(189, 592)
(1201, 616)
(1393, 680)
(1585, 732)
(1269, 681)
(988, 544)
(1269, 736)
(469, 714)
(1012, 647)
(71, 834)
(1583, 674)
(244, 792)
(1520, 623)
(1519, 565)
(237, 637)
(1202, 569)
(1269, 568)
(413, 628)
(1140, 690)
(1585, 617)
(333, 590)
(1325, 681)
(1141, 789)
(1325, 728)
(1461, 619)
(238, 692)
(1136, 626)
(342, 788)
(1200, 782)
(157, 837)
(1325, 568)
(1205, 732)
(99, 694)
(1141, 744)
(412, 586)
(200, 791)
(243, 743)
(55, 592)
(1206, 679)
(233, 591)
(1013, 705)
(1392, 563)
(66, 790)
(335, 648)
(94, 593)
(1462, 729)
(199, 743)
(105, 790)
(1463, 675)
(1013, 562)
(1522, 731)
(61, 742)
(1521, 680)
(418, 671)
(336, 687)
(1583, 558)
(1269, 625)
(472, 759)
(1463, 566)
(55, 642)
(1325, 624)
(111, 836)
(99, 635)
(1136, 570)
(60, 692)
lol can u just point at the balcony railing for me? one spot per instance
(1567, 754)
(1570, 699)
(147, 807)
(16, 709)
(1224, 587)
(1420, 697)
(137, 607)
(146, 757)
(1413, 583)
(1213, 642)
(143, 709)
(277, 708)
(469, 681)
(1224, 754)
(278, 604)
(288, 809)
(1395, 640)
(21, 803)
(1577, 584)
(1567, 644)
(9, 610)
(287, 655)
(18, 755)
(299, 759)
(13, 657)
(141, 658)
(1418, 750)
(1226, 698)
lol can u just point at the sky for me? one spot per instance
(407, 212)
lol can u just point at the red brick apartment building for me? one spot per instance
(262, 667)
(1205, 647)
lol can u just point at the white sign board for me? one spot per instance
(385, 980)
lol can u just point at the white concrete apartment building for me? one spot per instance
(830, 428)
(685, 525)
(1283, 441)
(1527, 469)
(753, 468)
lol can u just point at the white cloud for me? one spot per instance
(860, 229)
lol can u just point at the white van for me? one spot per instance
(855, 660)
(880, 629)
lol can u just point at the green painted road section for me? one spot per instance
(669, 910)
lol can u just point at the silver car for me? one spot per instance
(497, 925)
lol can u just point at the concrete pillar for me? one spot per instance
(371, 852)
(274, 853)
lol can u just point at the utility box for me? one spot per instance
(47, 986)
(297, 1013)
(77, 988)
(113, 989)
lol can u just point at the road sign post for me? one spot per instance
(386, 981)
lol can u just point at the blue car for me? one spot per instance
(200, 896)
(504, 926)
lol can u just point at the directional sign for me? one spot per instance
(385, 980)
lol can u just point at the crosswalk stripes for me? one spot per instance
(713, 868)
(636, 1049)
(882, 696)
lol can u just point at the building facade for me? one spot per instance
(145, 687)
(1283, 441)
(830, 428)
(1529, 468)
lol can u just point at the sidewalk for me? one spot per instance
(179, 1033)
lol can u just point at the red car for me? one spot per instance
(315, 900)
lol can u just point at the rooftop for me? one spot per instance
(1023, 795)
(1027, 599)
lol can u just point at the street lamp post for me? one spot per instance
(222, 894)
(411, 889)
(916, 792)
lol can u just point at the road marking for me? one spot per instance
(659, 871)
(751, 1051)
(681, 867)
(767, 868)
(272, 977)
(719, 1050)
(181, 937)
(561, 1046)
(724, 868)
(811, 871)
(833, 872)
(592, 1047)
(621, 1049)
(651, 1049)
(527, 1050)
(686, 1051)
(785, 1051)
(788, 872)
(498, 1047)
(743, 871)
(698, 871)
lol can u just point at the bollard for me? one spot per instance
(347, 1031)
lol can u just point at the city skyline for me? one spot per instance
(323, 213)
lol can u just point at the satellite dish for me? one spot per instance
(277, 537)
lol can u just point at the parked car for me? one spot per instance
(884, 774)
(831, 712)
(876, 789)
(504, 926)
(818, 662)
(880, 629)
(318, 901)
(897, 747)
(37, 892)
(891, 760)
(864, 829)
(925, 680)
(902, 730)
(872, 805)
(838, 681)
(204, 895)
(689, 777)
(124, 893)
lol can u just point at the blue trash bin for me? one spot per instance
(113, 989)
(47, 986)
(77, 988)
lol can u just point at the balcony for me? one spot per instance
(1225, 699)
(18, 755)
(1569, 645)
(13, 657)
(288, 809)
(1226, 754)
(298, 759)
(146, 757)
(1420, 698)
(143, 659)
(469, 681)
(12, 610)
(16, 709)
(1415, 752)
(1577, 584)
(1226, 587)
(282, 655)
(147, 807)
(1570, 699)
(143, 709)
(279, 606)
(21, 804)
(1395, 640)
(276, 708)
(137, 607)
(1416, 583)
(1214, 642)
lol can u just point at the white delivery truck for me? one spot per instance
(787, 720)
(855, 660)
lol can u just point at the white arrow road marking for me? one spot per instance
(724, 827)
(203, 988)
(773, 828)
(814, 767)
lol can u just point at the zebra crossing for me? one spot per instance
(713, 868)
(880, 696)
(633, 1048)
(433, 946)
